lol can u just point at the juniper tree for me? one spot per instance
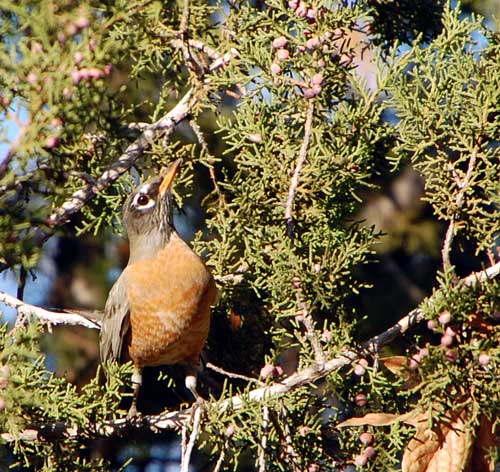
(286, 137)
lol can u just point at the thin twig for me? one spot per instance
(290, 451)
(308, 322)
(51, 317)
(221, 458)
(199, 46)
(224, 279)
(404, 324)
(298, 167)
(462, 185)
(204, 145)
(232, 375)
(263, 439)
(186, 457)
(184, 441)
(22, 283)
(235, 277)
(448, 239)
(174, 419)
(184, 25)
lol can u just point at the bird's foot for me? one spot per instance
(200, 402)
(133, 415)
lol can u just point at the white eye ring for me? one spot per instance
(143, 206)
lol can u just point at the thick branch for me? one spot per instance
(310, 374)
(135, 150)
(52, 317)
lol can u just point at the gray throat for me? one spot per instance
(144, 246)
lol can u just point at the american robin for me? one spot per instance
(158, 311)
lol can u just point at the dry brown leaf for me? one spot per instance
(235, 320)
(372, 419)
(398, 365)
(484, 442)
(446, 448)
(385, 419)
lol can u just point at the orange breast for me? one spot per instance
(170, 297)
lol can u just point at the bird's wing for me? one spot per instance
(115, 322)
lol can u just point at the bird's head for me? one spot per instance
(148, 211)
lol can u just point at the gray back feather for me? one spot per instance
(115, 322)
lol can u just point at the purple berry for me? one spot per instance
(313, 43)
(266, 371)
(317, 79)
(431, 324)
(280, 42)
(78, 57)
(82, 22)
(424, 352)
(76, 76)
(444, 318)
(446, 340)
(301, 10)
(484, 359)
(369, 451)
(311, 13)
(36, 48)
(32, 78)
(361, 460)
(450, 331)
(360, 399)
(71, 29)
(51, 142)
(282, 54)
(275, 68)
(366, 437)
(451, 355)
(326, 336)
(359, 370)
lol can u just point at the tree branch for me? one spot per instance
(462, 185)
(51, 317)
(186, 456)
(135, 150)
(211, 159)
(298, 167)
(307, 320)
(263, 439)
(175, 419)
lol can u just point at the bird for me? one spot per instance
(158, 311)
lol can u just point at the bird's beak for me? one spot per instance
(169, 176)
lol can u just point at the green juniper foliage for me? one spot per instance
(289, 133)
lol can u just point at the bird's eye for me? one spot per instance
(142, 200)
